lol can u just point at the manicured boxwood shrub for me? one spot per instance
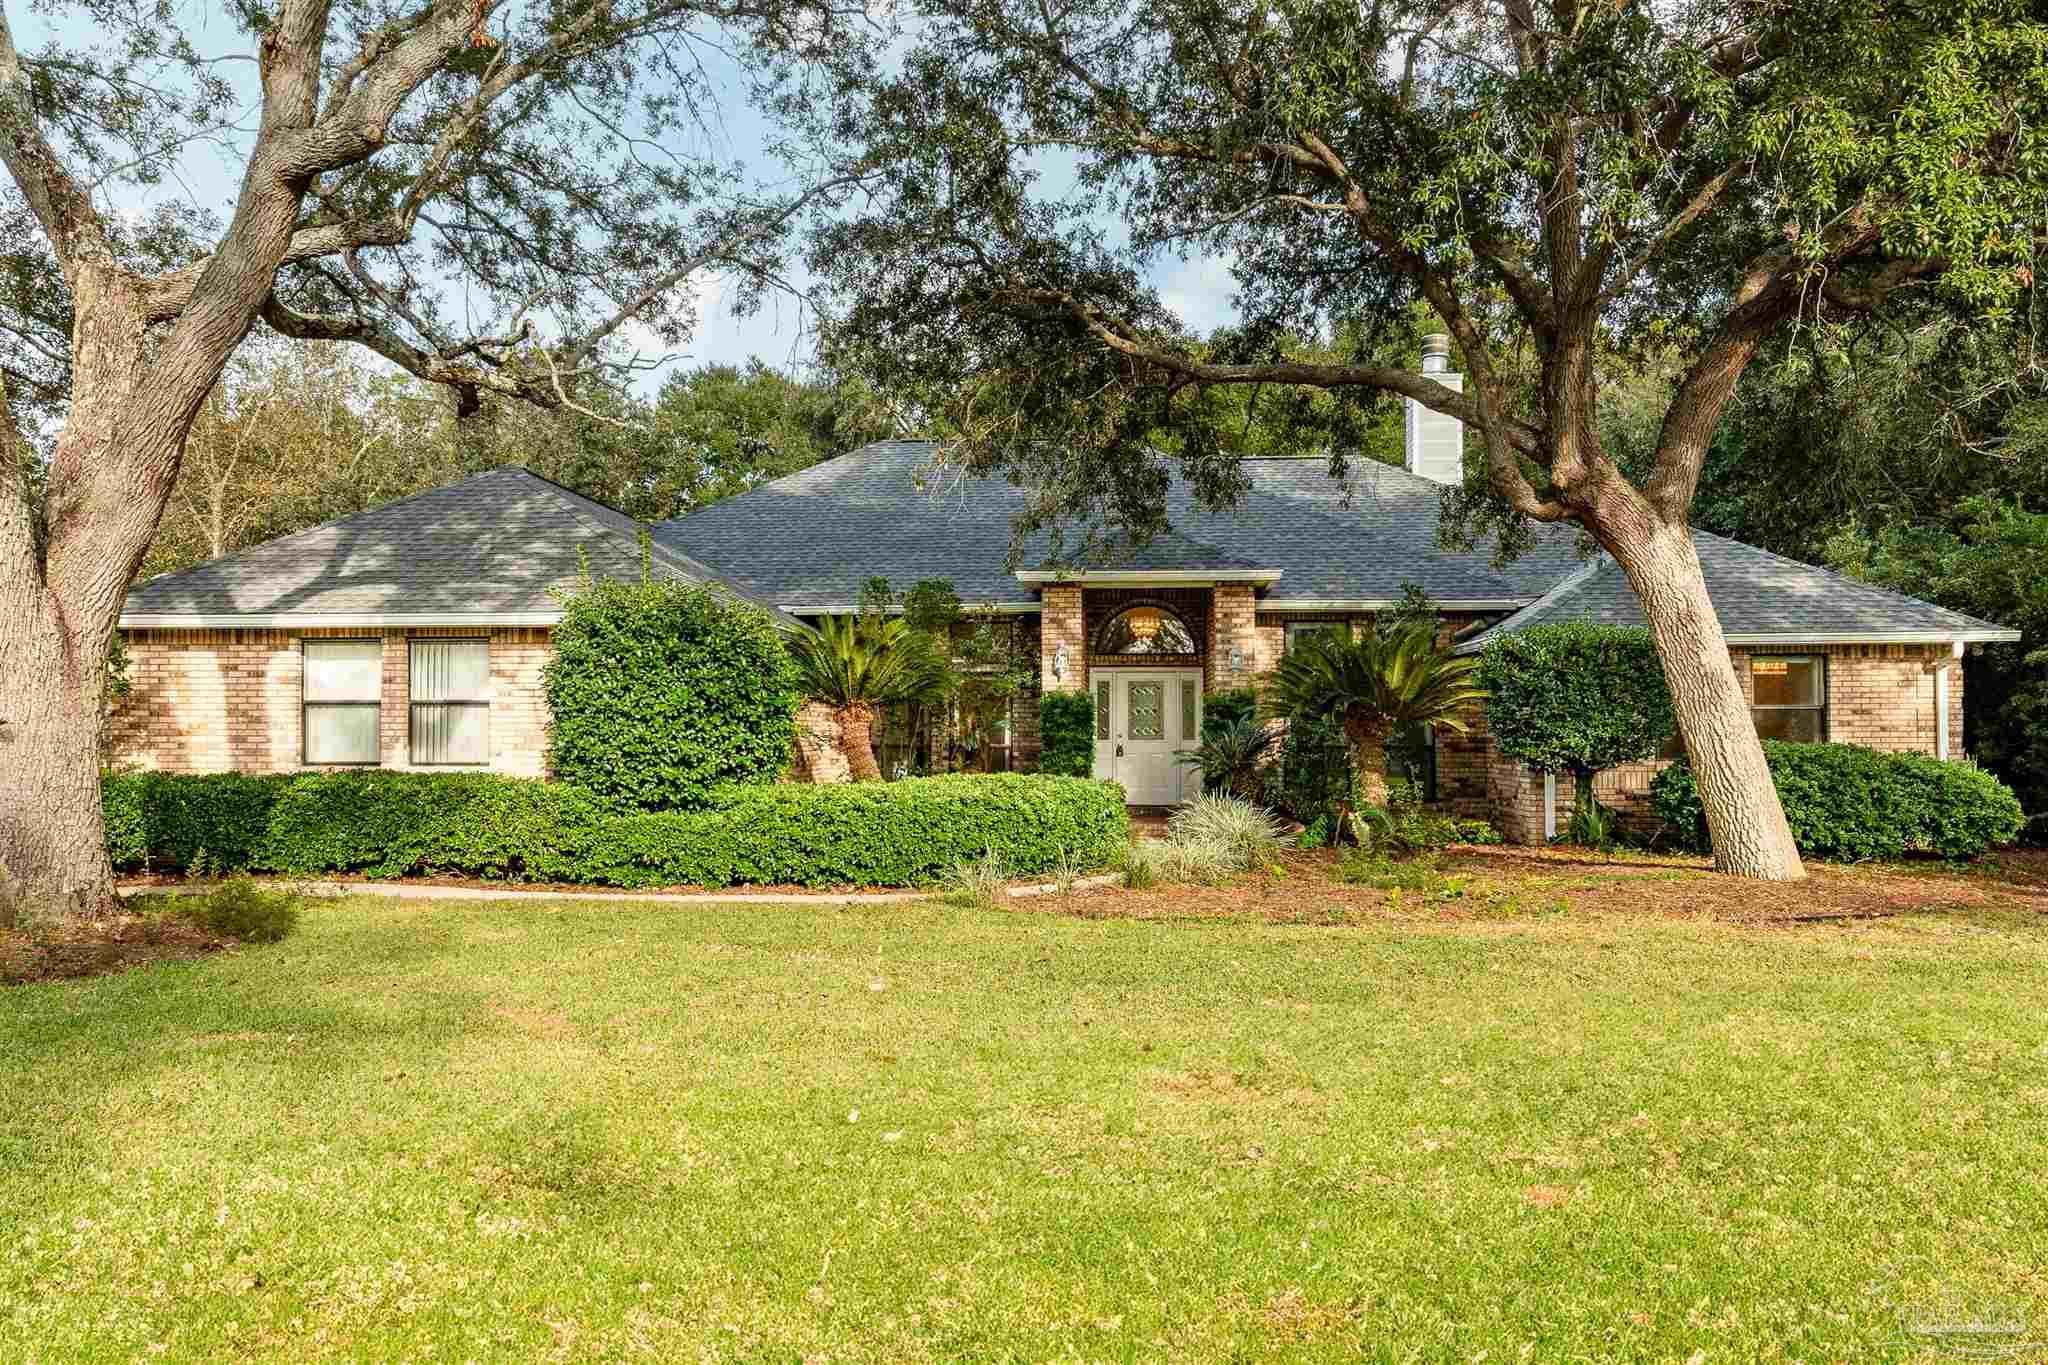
(389, 824)
(1847, 803)
(1066, 733)
(661, 691)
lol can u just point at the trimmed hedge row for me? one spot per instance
(386, 824)
(1847, 803)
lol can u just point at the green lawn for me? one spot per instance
(581, 1130)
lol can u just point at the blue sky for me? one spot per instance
(205, 174)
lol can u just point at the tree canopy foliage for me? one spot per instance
(1558, 183)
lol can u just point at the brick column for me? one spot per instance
(1233, 622)
(1060, 623)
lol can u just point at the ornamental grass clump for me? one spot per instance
(1244, 836)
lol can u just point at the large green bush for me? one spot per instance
(1577, 698)
(1848, 803)
(389, 824)
(1066, 732)
(661, 691)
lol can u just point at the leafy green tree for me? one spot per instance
(463, 187)
(856, 663)
(1554, 181)
(733, 429)
(1994, 565)
(661, 691)
(1388, 676)
(1578, 699)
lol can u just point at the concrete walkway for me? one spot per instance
(429, 891)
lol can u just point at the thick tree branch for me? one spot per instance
(63, 206)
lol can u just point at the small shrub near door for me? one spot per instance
(1847, 803)
(1066, 732)
(391, 824)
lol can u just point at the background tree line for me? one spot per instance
(297, 435)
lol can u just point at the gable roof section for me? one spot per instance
(487, 550)
(1761, 598)
(809, 541)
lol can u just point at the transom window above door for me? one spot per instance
(1145, 630)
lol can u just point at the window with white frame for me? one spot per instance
(451, 702)
(341, 694)
(1789, 696)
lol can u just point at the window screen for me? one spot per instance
(451, 701)
(1789, 696)
(344, 683)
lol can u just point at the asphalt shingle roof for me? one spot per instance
(501, 543)
(811, 540)
(1755, 593)
(498, 543)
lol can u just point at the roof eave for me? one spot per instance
(1141, 578)
(1970, 636)
(306, 620)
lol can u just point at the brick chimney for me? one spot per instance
(1436, 441)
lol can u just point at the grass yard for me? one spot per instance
(579, 1130)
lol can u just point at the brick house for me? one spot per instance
(412, 635)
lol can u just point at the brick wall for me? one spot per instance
(1062, 622)
(203, 701)
(1880, 696)
(1234, 623)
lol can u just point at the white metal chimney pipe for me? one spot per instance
(1435, 445)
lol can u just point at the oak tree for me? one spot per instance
(494, 198)
(1555, 180)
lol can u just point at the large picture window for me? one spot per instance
(451, 702)
(342, 692)
(1789, 696)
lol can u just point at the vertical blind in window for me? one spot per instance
(344, 682)
(451, 701)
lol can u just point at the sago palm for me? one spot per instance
(855, 664)
(1375, 684)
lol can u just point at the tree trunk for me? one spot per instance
(52, 831)
(1368, 737)
(856, 740)
(1744, 819)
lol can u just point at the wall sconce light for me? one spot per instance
(1236, 658)
(1059, 662)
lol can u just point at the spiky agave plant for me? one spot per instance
(854, 664)
(1385, 678)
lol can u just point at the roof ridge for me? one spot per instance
(1565, 587)
(777, 483)
(676, 558)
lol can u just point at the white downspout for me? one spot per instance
(1549, 806)
(1941, 699)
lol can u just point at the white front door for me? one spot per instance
(1142, 716)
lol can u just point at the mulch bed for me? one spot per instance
(74, 948)
(1503, 882)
